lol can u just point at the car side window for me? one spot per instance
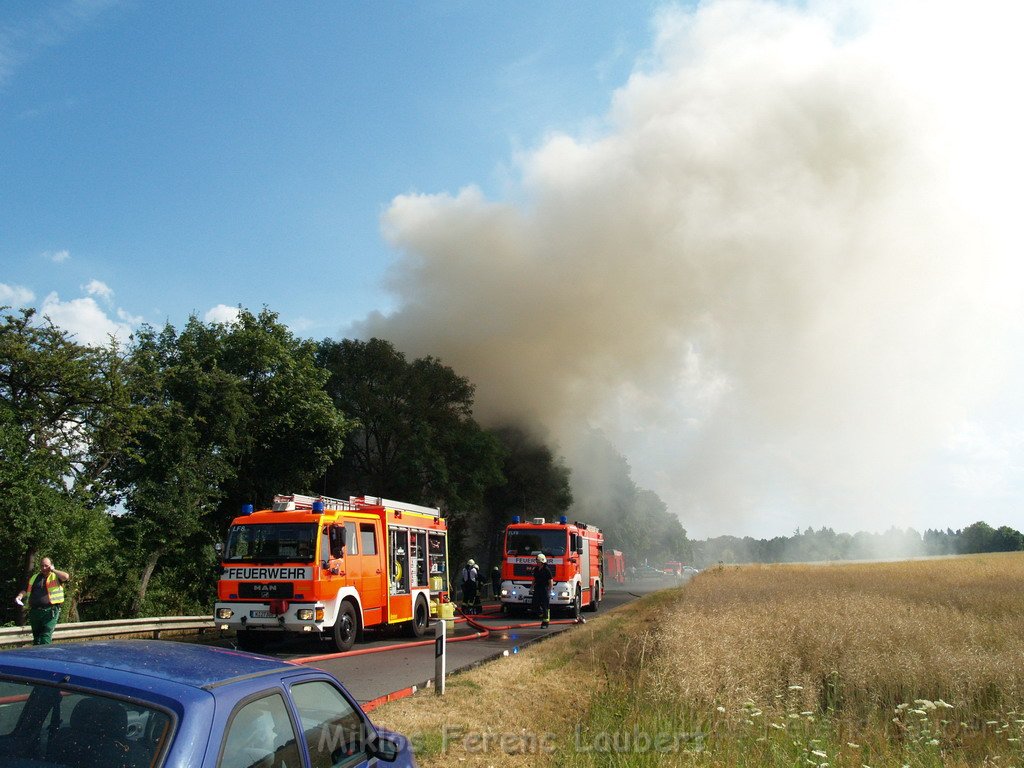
(260, 735)
(334, 729)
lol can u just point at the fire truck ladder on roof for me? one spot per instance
(297, 502)
(377, 501)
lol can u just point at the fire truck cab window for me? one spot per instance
(367, 539)
(351, 542)
(271, 543)
(526, 542)
(338, 537)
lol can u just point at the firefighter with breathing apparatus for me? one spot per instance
(542, 589)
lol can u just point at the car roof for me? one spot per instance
(189, 664)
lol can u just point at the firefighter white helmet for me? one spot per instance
(471, 562)
(541, 557)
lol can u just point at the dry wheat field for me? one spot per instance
(917, 663)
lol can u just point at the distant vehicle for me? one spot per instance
(614, 566)
(144, 703)
(690, 570)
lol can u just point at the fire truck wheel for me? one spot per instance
(345, 627)
(420, 619)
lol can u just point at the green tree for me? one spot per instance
(65, 413)
(978, 537)
(234, 413)
(633, 519)
(288, 431)
(536, 484)
(172, 480)
(416, 439)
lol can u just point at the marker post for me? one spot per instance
(440, 650)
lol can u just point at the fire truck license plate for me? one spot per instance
(260, 615)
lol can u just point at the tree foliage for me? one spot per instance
(65, 414)
(826, 545)
(415, 438)
(536, 484)
(633, 519)
(233, 413)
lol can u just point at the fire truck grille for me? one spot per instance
(526, 571)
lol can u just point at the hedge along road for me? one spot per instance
(373, 674)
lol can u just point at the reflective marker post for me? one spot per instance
(440, 649)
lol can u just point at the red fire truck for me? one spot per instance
(615, 566)
(313, 564)
(574, 554)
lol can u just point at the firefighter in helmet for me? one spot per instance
(471, 587)
(496, 581)
(542, 589)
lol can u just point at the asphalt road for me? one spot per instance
(370, 676)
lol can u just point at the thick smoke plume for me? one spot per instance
(777, 280)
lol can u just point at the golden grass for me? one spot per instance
(917, 663)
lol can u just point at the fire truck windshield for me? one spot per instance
(271, 543)
(520, 541)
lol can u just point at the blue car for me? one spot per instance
(153, 704)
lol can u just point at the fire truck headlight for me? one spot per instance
(319, 614)
(304, 614)
(504, 593)
(225, 613)
(564, 595)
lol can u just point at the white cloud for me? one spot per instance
(15, 295)
(222, 313)
(98, 288)
(44, 26)
(128, 318)
(84, 319)
(57, 257)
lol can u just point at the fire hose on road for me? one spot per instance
(482, 631)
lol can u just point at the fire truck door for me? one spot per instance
(332, 555)
(369, 571)
(585, 564)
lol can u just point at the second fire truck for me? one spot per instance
(574, 554)
(313, 564)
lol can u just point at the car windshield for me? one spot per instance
(271, 543)
(45, 725)
(530, 542)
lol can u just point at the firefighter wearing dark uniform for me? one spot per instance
(45, 597)
(542, 589)
(470, 587)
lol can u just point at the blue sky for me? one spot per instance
(770, 249)
(197, 154)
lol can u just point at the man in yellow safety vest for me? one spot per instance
(45, 592)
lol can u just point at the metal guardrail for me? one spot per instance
(82, 630)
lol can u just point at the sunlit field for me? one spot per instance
(916, 663)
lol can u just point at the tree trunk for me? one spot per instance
(147, 573)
